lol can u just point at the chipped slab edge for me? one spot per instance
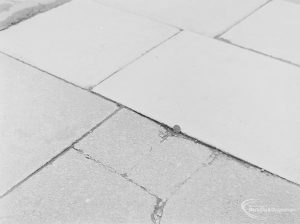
(24, 10)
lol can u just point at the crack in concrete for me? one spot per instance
(168, 129)
(158, 211)
(113, 170)
(212, 157)
(89, 157)
(169, 132)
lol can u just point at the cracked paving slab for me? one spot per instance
(39, 117)
(135, 148)
(14, 11)
(236, 100)
(75, 190)
(228, 192)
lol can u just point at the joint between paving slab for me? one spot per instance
(138, 15)
(197, 141)
(59, 154)
(257, 52)
(41, 70)
(242, 19)
(212, 157)
(114, 171)
(89, 157)
(165, 126)
(135, 59)
(59, 78)
(156, 215)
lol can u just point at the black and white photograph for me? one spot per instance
(149, 111)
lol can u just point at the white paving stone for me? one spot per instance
(227, 192)
(40, 116)
(273, 30)
(141, 150)
(239, 101)
(83, 41)
(208, 17)
(74, 189)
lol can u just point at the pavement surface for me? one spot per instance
(90, 91)
(14, 11)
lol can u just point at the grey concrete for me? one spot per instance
(122, 141)
(217, 193)
(168, 166)
(39, 117)
(76, 190)
(14, 11)
(144, 152)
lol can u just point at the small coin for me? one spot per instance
(176, 128)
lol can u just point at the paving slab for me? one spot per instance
(205, 17)
(14, 11)
(39, 117)
(74, 189)
(272, 30)
(83, 41)
(122, 141)
(144, 152)
(241, 102)
(166, 168)
(228, 192)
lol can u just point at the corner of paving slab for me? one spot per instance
(164, 134)
(14, 12)
(157, 213)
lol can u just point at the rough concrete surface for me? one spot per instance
(14, 11)
(122, 141)
(39, 117)
(145, 152)
(211, 88)
(73, 190)
(70, 156)
(228, 192)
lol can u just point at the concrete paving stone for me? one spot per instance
(122, 141)
(135, 147)
(239, 101)
(14, 11)
(166, 168)
(205, 17)
(83, 41)
(74, 189)
(272, 30)
(228, 192)
(40, 116)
